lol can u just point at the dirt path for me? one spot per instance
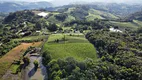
(14, 54)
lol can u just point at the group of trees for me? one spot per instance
(6, 47)
(21, 16)
(61, 17)
(96, 24)
(119, 49)
(80, 12)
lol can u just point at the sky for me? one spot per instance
(63, 2)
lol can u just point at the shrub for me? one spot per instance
(36, 64)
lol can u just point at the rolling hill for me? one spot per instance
(78, 12)
(135, 16)
(16, 6)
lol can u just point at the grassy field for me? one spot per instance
(74, 46)
(14, 54)
(93, 14)
(131, 25)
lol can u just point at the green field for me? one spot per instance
(93, 14)
(131, 25)
(74, 46)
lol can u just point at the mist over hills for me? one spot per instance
(16, 6)
(121, 9)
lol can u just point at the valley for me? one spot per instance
(94, 41)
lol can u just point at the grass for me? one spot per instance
(99, 14)
(130, 25)
(15, 54)
(75, 46)
(139, 23)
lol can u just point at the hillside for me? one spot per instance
(78, 12)
(74, 46)
(16, 6)
(135, 16)
(72, 42)
(119, 9)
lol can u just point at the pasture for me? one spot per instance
(74, 45)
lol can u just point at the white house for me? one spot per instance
(43, 14)
(115, 30)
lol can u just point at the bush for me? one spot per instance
(36, 64)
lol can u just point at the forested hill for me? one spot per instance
(135, 16)
(16, 6)
(77, 12)
(113, 8)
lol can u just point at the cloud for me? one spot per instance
(63, 2)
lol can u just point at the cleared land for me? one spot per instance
(74, 46)
(132, 25)
(14, 54)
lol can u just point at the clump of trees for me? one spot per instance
(6, 47)
(119, 49)
(21, 16)
(52, 27)
(80, 12)
(88, 25)
(61, 17)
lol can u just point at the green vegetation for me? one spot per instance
(129, 25)
(15, 69)
(93, 14)
(120, 50)
(6, 47)
(73, 46)
(67, 54)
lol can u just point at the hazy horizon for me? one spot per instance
(64, 2)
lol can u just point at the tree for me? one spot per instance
(38, 26)
(52, 27)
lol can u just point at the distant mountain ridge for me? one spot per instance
(135, 16)
(16, 6)
(113, 8)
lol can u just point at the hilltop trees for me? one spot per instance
(38, 26)
(61, 17)
(52, 27)
(19, 17)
